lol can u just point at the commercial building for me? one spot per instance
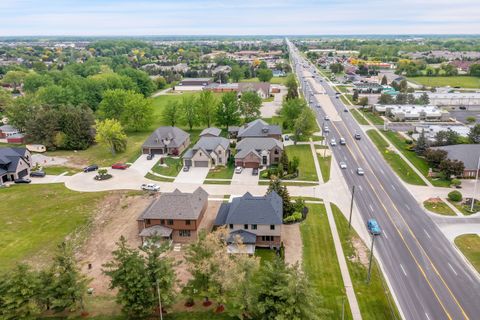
(467, 153)
(431, 130)
(408, 112)
(452, 98)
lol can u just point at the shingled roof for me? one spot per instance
(247, 145)
(258, 128)
(171, 137)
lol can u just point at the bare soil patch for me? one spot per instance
(292, 241)
(361, 251)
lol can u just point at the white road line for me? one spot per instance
(360, 187)
(403, 270)
(385, 234)
(452, 268)
(393, 187)
(370, 206)
(382, 171)
(408, 208)
(428, 317)
(351, 171)
(427, 234)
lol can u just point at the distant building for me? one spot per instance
(406, 112)
(431, 130)
(452, 98)
(15, 163)
(195, 82)
(467, 153)
(166, 140)
(279, 73)
(368, 87)
(261, 88)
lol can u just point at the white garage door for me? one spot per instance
(201, 163)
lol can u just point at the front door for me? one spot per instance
(264, 160)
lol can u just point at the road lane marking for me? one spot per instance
(385, 234)
(452, 268)
(427, 234)
(360, 187)
(403, 270)
(428, 317)
(371, 208)
(408, 208)
(393, 187)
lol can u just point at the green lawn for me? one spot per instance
(438, 207)
(465, 209)
(469, 244)
(306, 168)
(375, 119)
(360, 119)
(157, 178)
(374, 299)
(56, 170)
(320, 261)
(325, 164)
(401, 168)
(274, 80)
(458, 81)
(265, 255)
(34, 219)
(172, 168)
(221, 172)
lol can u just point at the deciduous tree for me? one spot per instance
(228, 112)
(206, 104)
(189, 109)
(110, 133)
(292, 87)
(474, 134)
(305, 124)
(451, 168)
(172, 113)
(250, 104)
(264, 75)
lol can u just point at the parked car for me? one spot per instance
(345, 110)
(342, 141)
(150, 187)
(287, 137)
(373, 227)
(343, 165)
(238, 170)
(120, 166)
(186, 168)
(92, 167)
(38, 174)
(360, 171)
(255, 172)
(22, 180)
(358, 136)
(326, 118)
(333, 142)
(150, 156)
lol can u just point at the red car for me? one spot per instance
(121, 166)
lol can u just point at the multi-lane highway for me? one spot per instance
(428, 277)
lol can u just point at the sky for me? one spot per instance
(232, 17)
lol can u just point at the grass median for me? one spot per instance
(438, 206)
(306, 168)
(469, 244)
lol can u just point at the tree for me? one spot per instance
(471, 119)
(435, 156)
(206, 106)
(401, 98)
(422, 143)
(228, 112)
(236, 73)
(305, 124)
(474, 134)
(292, 87)
(424, 99)
(475, 69)
(250, 104)
(291, 110)
(451, 168)
(336, 67)
(264, 75)
(384, 80)
(455, 196)
(355, 95)
(14, 78)
(189, 111)
(137, 113)
(410, 98)
(446, 138)
(385, 99)
(143, 82)
(55, 96)
(275, 184)
(403, 85)
(363, 102)
(33, 81)
(5, 99)
(160, 82)
(113, 104)
(171, 113)
(110, 133)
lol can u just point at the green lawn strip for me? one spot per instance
(325, 164)
(360, 119)
(375, 119)
(320, 261)
(274, 80)
(172, 168)
(289, 183)
(221, 172)
(343, 89)
(345, 100)
(306, 168)
(401, 168)
(439, 207)
(216, 182)
(456, 81)
(157, 178)
(464, 209)
(374, 299)
(265, 255)
(56, 170)
(307, 198)
(34, 219)
(469, 244)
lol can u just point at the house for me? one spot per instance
(261, 88)
(258, 129)
(210, 132)
(208, 152)
(279, 73)
(166, 140)
(257, 152)
(195, 82)
(7, 130)
(469, 154)
(257, 220)
(174, 216)
(15, 163)
(18, 138)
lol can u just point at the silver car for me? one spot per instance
(343, 165)
(360, 171)
(333, 142)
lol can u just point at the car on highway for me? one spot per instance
(333, 142)
(38, 174)
(360, 171)
(150, 156)
(120, 166)
(342, 141)
(345, 110)
(326, 129)
(326, 118)
(150, 187)
(238, 170)
(358, 136)
(22, 180)
(92, 167)
(343, 165)
(373, 227)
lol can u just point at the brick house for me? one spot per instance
(166, 140)
(258, 152)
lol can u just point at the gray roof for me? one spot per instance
(171, 137)
(258, 128)
(177, 205)
(247, 145)
(207, 144)
(249, 209)
(9, 158)
(254, 86)
(467, 153)
(157, 230)
(8, 128)
(246, 236)
(211, 131)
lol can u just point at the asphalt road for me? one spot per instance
(428, 277)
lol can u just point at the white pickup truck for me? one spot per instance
(150, 187)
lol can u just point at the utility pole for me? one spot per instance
(475, 187)
(159, 300)
(370, 261)
(351, 209)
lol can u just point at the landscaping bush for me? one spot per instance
(456, 182)
(290, 176)
(455, 196)
(296, 216)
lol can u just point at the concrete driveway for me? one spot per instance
(269, 109)
(245, 178)
(195, 175)
(142, 165)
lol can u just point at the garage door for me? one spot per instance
(22, 173)
(156, 151)
(201, 163)
(251, 164)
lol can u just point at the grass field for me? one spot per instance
(157, 178)
(325, 164)
(374, 299)
(172, 168)
(438, 207)
(221, 172)
(320, 261)
(458, 81)
(400, 167)
(469, 244)
(373, 118)
(306, 168)
(360, 119)
(56, 170)
(274, 80)
(34, 219)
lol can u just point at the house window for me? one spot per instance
(254, 227)
(147, 221)
(272, 227)
(276, 159)
(267, 238)
(170, 222)
(220, 160)
(264, 160)
(187, 222)
(230, 226)
(162, 221)
(276, 151)
(245, 226)
(184, 233)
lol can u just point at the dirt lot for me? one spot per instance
(292, 241)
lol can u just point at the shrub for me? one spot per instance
(456, 182)
(296, 216)
(455, 196)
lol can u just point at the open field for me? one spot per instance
(469, 244)
(373, 118)
(306, 168)
(221, 172)
(56, 170)
(438, 206)
(274, 80)
(457, 81)
(400, 167)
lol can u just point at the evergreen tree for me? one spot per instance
(384, 80)
(422, 143)
(355, 95)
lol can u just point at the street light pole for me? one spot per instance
(370, 261)
(159, 300)
(351, 209)
(475, 187)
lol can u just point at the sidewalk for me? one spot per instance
(315, 161)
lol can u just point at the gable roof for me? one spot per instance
(167, 136)
(249, 209)
(177, 205)
(246, 236)
(247, 145)
(258, 128)
(467, 153)
(211, 131)
(9, 158)
(207, 144)
(254, 86)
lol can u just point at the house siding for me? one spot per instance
(262, 230)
